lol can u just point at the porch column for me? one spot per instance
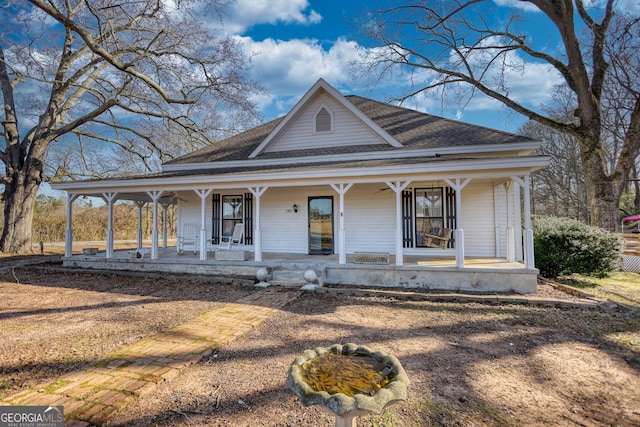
(178, 226)
(257, 234)
(458, 186)
(110, 198)
(529, 258)
(510, 231)
(165, 206)
(203, 193)
(397, 188)
(68, 242)
(341, 189)
(140, 204)
(155, 196)
(496, 220)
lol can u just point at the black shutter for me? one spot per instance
(248, 219)
(215, 219)
(407, 219)
(450, 219)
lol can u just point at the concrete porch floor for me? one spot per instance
(418, 271)
(170, 254)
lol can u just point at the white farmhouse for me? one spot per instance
(361, 191)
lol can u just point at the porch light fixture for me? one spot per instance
(295, 208)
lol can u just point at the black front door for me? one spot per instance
(320, 225)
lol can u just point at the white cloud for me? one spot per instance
(287, 69)
(629, 6)
(528, 83)
(247, 13)
(518, 4)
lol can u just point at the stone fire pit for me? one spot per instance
(347, 380)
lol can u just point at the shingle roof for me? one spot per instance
(413, 129)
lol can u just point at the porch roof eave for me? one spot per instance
(138, 186)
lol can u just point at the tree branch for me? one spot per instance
(113, 60)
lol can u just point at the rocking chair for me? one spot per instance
(227, 242)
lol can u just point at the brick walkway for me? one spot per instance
(92, 395)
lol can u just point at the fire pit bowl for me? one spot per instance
(348, 380)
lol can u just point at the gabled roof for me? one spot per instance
(400, 128)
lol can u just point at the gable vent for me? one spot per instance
(323, 120)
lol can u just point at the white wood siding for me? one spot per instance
(284, 230)
(478, 220)
(189, 211)
(347, 129)
(370, 219)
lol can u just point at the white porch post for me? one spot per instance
(68, 243)
(257, 234)
(457, 186)
(155, 195)
(496, 220)
(510, 231)
(397, 188)
(341, 189)
(529, 258)
(110, 198)
(165, 206)
(140, 205)
(178, 224)
(203, 193)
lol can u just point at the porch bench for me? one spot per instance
(437, 237)
(370, 258)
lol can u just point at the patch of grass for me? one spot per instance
(620, 287)
(51, 388)
(101, 364)
(5, 385)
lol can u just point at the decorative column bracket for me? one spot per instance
(458, 186)
(257, 234)
(68, 243)
(342, 189)
(110, 198)
(529, 257)
(397, 188)
(203, 193)
(155, 196)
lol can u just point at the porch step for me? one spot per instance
(295, 276)
(289, 283)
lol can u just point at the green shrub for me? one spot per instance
(565, 246)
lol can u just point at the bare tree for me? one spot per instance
(82, 75)
(464, 44)
(559, 189)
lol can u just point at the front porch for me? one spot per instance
(424, 272)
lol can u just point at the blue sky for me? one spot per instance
(295, 42)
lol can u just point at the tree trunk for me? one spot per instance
(19, 198)
(603, 190)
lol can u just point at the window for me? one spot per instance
(323, 120)
(231, 213)
(429, 211)
(227, 211)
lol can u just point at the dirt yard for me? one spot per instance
(469, 364)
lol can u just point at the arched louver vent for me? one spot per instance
(323, 121)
